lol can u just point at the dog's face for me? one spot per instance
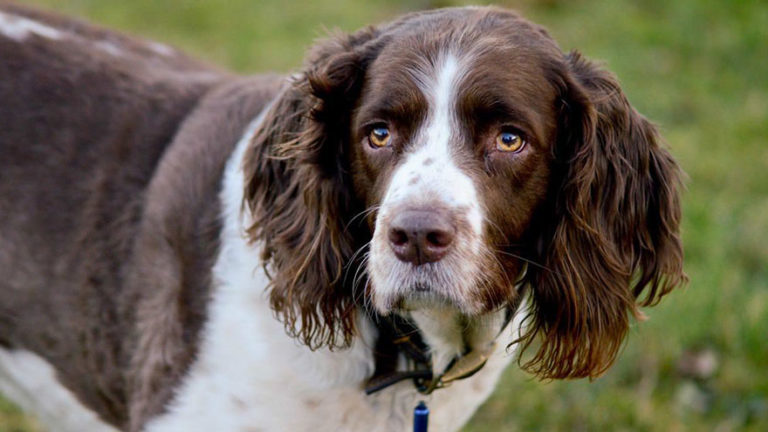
(438, 157)
(452, 147)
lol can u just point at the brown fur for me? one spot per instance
(178, 239)
(598, 218)
(298, 192)
(610, 231)
(109, 209)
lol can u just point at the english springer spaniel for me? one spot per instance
(182, 249)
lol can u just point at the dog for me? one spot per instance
(184, 249)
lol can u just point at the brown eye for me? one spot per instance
(379, 137)
(509, 142)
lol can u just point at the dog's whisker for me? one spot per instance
(363, 214)
(531, 262)
(352, 262)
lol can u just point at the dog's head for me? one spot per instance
(438, 160)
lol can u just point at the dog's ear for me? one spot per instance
(612, 242)
(298, 193)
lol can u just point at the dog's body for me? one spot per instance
(130, 265)
(129, 248)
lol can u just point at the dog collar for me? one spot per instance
(398, 335)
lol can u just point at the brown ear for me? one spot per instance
(298, 192)
(613, 239)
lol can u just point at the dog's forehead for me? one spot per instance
(465, 29)
(491, 45)
(500, 61)
(481, 62)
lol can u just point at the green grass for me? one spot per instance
(699, 68)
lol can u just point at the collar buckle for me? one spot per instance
(461, 367)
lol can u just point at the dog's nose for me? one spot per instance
(421, 236)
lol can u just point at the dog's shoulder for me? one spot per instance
(179, 239)
(112, 154)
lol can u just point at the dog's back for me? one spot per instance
(88, 122)
(86, 115)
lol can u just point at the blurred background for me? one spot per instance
(699, 69)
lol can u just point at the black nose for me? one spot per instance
(421, 236)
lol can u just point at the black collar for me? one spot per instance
(398, 335)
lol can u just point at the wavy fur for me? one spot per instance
(297, 191)
(611, 242)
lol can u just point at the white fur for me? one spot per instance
(429, 175)
(109, 48)
(30, 382)
(160, 48)
(251, 376)
(442, 179)
(19, 28)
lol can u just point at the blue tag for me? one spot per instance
(420, 417)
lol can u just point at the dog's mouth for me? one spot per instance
(469, 293)
(398, 286)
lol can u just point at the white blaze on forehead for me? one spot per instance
(19, 28)
(430, 171)
(437, 134)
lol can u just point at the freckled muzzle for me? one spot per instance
(423, 255)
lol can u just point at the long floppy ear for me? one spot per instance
(613, 239)
(298, 192)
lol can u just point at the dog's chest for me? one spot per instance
(251, 376)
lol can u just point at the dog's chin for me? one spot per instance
(423, 298)
(405, 288)
(420, 299)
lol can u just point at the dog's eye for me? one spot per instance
(379, 137)
(509, 142)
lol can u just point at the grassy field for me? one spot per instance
(699, 68)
